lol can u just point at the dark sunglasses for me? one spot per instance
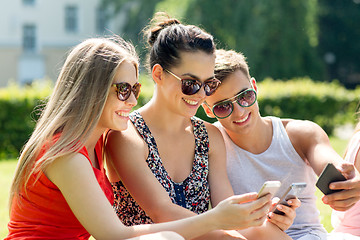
(192, 86)
(225, 108)
(124, 90)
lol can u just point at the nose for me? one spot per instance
(238, 109)
(131, 101)
(202, 91)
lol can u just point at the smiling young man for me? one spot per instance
(269, 148)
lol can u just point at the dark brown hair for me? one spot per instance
(167, 37)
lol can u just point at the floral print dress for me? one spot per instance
(193, 193)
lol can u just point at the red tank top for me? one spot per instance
(44, 212)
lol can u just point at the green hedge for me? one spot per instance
(20, 108)
(328, 104)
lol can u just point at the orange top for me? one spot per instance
(44, 212)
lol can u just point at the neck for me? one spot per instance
(158, 115)
(257, 140)
(93, 139)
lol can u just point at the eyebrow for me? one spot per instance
(226, 99)
(193, 76)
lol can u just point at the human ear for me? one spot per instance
(207, 110)
(157, 73)
(253, 84)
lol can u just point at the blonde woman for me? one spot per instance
(60, 189)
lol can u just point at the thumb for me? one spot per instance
(243, 198)
(347, 169)
(275, 201)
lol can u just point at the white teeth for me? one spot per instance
(242, 120)
(191, 102)
(123, 114)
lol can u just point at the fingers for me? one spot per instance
(242, 211)
(285, 221)
(349, 192)
(257, 210)
(338, 203)
(342, 200)
(347, 169)
(294, 203)
(243, 198)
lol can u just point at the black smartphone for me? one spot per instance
(293, 191)
(328, 175)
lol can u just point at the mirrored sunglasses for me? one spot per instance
(225, 108)
(124, 90)
(192, 86)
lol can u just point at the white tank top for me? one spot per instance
(247, 172)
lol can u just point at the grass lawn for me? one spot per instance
(7, 168)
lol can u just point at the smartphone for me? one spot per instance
(269, 187)
(293, 191)
(328, 175)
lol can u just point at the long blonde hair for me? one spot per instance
(75, 105)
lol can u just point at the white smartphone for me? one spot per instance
(293, 191)
(269, 187)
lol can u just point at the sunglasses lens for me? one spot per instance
(223, 110)
(211, 86)
(189, 86)
(123, 90)
(247, 98)
(136, 90)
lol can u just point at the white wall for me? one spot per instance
(52, 40)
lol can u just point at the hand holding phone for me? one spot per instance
(269, 187)
(293, 191)
(329, 174)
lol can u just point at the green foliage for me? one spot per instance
(18, 115)
(327, 104)
(21, 107)
(278, 37)
(338, 36)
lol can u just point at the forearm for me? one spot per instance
(264, 232)
(189, 228)
(176, 212)
(169, 213)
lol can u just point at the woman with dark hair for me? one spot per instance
(169, 164)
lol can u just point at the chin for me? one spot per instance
(121, 127)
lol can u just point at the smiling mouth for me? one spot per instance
(191, 102)
(123, 114)
(243, 119)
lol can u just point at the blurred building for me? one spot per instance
(35, 35)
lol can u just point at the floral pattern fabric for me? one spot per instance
(193, 193)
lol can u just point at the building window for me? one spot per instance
(28, 2)
(71, 19)
(29, 38)
(101, 20)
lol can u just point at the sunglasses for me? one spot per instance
(124, 90)
(225, 108)
(192, 86)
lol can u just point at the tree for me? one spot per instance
(339, 39)
(278, 37)
(138, 14)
